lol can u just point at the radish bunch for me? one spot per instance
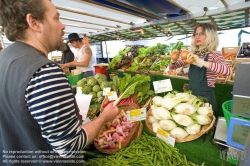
(116, 132)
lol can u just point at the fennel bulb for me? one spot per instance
(206, 110)
(156, 126)
(154, 113)
(186, 96)
(193, 129)
(163, 113)
(203, 119)
(167, 124)
(152, 120)
(179, 133)
(157, 100)
(169, 102)
(183, 120)
(185, 108)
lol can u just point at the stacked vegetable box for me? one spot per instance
(140, 58)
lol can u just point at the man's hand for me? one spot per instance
(110, 112)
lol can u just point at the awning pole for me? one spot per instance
(107, 51)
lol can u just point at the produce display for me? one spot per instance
(130, 58)
(160, 65)
(94, 85)
(145, 65)
(151, 51)
(121, 59)
(146, 151)
(135, 63)
(180, 113)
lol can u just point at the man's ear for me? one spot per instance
(33, 23)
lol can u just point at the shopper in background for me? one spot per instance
(83, 56)
(38, 110)
(205, 63)
(67, 56)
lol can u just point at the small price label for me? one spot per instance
(162, 68)
(112, 96)
(136, 115)
(162, 86)
(163, 135)
(106, 91)
(79, 90)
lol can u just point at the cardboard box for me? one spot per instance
(230, 50)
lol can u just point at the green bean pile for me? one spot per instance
(146, 151)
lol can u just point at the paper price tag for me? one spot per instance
(112, 96)
(136, 115)
(162, 86)
(162, 68)
(78, 90)
(106, 91)
(163, 135)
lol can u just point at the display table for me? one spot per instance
(223, 92)
(198, 151)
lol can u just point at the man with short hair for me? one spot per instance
(39, 115)
(84, 59)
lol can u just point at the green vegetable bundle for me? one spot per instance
(119, 59)
(146, 151)
(157, 66)
(133, 89)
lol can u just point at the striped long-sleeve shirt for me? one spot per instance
(218, 66)
(50, 101)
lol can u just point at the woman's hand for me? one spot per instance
(198, 61)
(189, 59)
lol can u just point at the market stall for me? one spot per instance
(141, 134)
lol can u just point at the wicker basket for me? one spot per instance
(146, 105)
(203, 130)
(135, 132)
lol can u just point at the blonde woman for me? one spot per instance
(205, 63)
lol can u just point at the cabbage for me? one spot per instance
(99, 94)
(82, 82)
(104, 84)
(94, 95)
(98, 75)
(96, 88)
(91, 81)
(101, 79)
(86, 89)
